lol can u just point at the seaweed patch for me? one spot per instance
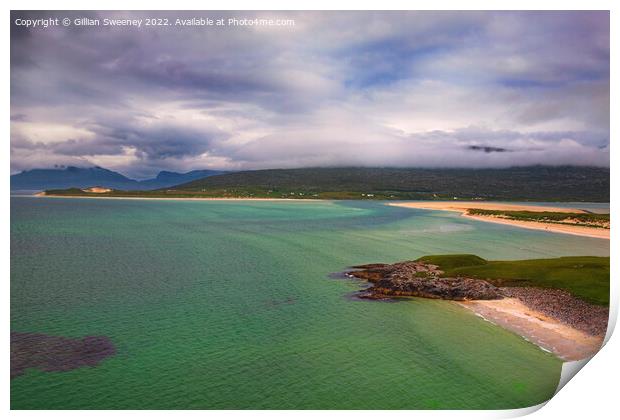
(56, 354)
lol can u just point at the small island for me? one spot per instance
(560, 304)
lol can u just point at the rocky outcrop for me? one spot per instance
(412, 278)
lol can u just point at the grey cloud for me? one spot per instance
(488, 149)
(19, 117)
(366, 88)
(150, 143)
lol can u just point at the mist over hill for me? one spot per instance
(542, 183)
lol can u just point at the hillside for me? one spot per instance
(70, 176)
(168, 179)
(535, 183)
(74, 177)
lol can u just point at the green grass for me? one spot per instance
(584, 277)
(447, 262)
(588, 219)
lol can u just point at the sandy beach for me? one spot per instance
(553, 319)
(550, 334)
(463, 206)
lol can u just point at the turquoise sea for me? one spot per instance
(222, 305)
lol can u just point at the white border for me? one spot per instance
(593, 392)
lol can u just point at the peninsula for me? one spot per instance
(559, 304)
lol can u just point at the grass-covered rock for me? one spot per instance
(586, 278)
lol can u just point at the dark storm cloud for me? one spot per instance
(148, 143)
(488, 149)
(152, 143)
(338, 88)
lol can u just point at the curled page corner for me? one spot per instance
(613, 316)
(570, 369)
(520, 412)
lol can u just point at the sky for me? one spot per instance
(390, 89)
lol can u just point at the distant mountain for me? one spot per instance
(74, 177)
(71, 176)
(531, 183)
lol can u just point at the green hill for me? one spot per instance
(535, 183)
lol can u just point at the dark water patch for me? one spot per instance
(274, 303)
(56, 354)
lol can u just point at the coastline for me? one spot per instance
(590, 232)
(176, 198)
(552, 318)
(463, 207)
(548, 333)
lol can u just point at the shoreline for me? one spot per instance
(590, 232)
(553, 319)
(39, 195)
(463, 207)
(548, 333)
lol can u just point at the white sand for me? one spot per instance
(548, 333)
(463, 206)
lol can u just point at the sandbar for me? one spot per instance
(463, 206)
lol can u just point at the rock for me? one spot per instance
(411, 278)
(561, 305)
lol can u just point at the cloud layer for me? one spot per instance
(467, 89)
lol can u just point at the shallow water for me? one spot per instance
(214, 304)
